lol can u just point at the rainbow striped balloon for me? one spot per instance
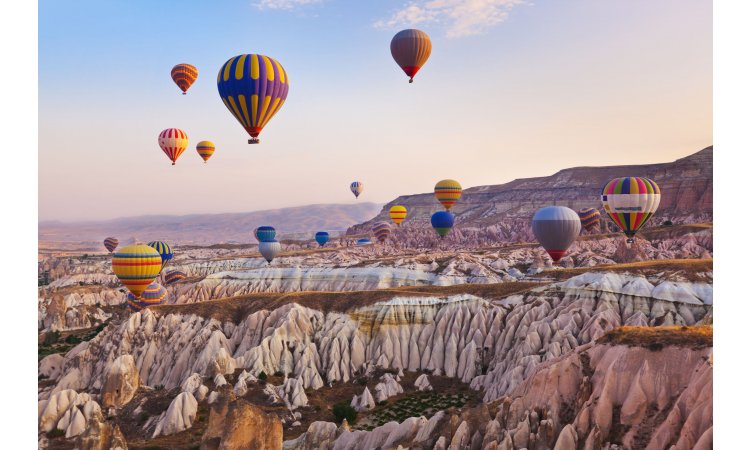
(184, 75)
(110, 244)
(205, 149)
(381, 230)
(136, 266)
(165, 251)
(448, 192)
(398, 214)
(155, 294)
(173, 276)
(631, 202)
(589, 218)
(173, 142)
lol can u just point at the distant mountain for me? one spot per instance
(211, 228)
(686, 186)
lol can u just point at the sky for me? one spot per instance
(513, 89)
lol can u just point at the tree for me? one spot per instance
(344, 410)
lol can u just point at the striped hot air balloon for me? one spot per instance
(442, 222)
(381, 230)
(556, 228)
(398, 214)
(136, 266)
(589, 218)
(410, 49)
(173, 276)
(110, 244)
(265, 233)
(631, 202)
(165, 251)
(155, 294)
(173, 142)
(357, 187)
(184, 75)
(269, 249)
(205, 150)
(253, 88)
(448, 192)
(321, 237)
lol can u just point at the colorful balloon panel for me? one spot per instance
(321, 237)
(110, 244)
(154, 294)
(165, 251)
(556, 228)
(184, 75)
(173, 276)
(136, 266)
(265, 233)
(205, 149)
(173, 142)
(381, 230)
(253, 88)
(269, 250)
(398, 214)
(631, 202)
(448, 192)
(357, 187)
(410, 49)
(442, 222)
(589, 218)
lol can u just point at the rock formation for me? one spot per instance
(238, 425)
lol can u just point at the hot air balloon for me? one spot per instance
(411, 48)
(398, 214)
(556, 228)
(110, 244)
(321, 237)
(589, 218)
(631, 202)
(155, 294)
(205, 149)
(173, 142)
(357, 187)
(136, 266)
(165, 251)
(173, 276)
(265, 233)
(269, 249)
(364, 242)
(442, 222)
(381, 230)
(448, 192)
(253, 88)
(184, 76)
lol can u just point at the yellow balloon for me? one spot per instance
(398, 214)
(448, 192)
(136, 266)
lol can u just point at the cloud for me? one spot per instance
(459, 17)
(287, 5)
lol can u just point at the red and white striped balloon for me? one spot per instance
(173, 142)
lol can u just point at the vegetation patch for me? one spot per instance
(656, 338)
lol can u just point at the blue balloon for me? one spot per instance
(265, 234)
(442, 222)
(321, 237)
(364, 242)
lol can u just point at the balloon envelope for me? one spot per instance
(165, 251)
(410, 49)
(155, 294)
(442, 222)
(364, 242)
(184, 75)
(173, 142)
(556, 228)
(173, 276)
(589, 218)
(321, 237)
(265, 233)
(110, 244)
(398, 214)
(253, 88)
(269, 249)
(136, 266)
(631, 202)
(448, 192)
(205, 149)
(357, 187)
(381, 230)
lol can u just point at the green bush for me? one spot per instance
(344, 410)
(262, 376)
(51, 337)
(56, 433)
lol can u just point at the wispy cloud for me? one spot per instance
(284, 4)
(459, 17)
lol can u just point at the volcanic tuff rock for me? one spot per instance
(238, 425)
(364, 401)
(121, 382)
(179, 416)
(686, 185)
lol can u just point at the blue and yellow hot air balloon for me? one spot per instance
(136, 266)
(631, 202)
(357, 187)
(265, 233)
(173, 276)
(253, 88)
(589, 218)
(165, 251)
(321, 237)
(442, 222)
(381, 230)
(205, 149)
(155, 294)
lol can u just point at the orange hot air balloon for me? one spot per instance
(205, 149)
(184, 75)
(411, 48)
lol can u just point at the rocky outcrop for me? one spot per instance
(68, 411)
(364, 401)
(388, 387)
(179, 416)
(422, 383)
(121, 382)
(238, 425)
(101, 435)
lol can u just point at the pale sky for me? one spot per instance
(512, 89)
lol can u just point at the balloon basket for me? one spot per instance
(254, 140)
(411, 80)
